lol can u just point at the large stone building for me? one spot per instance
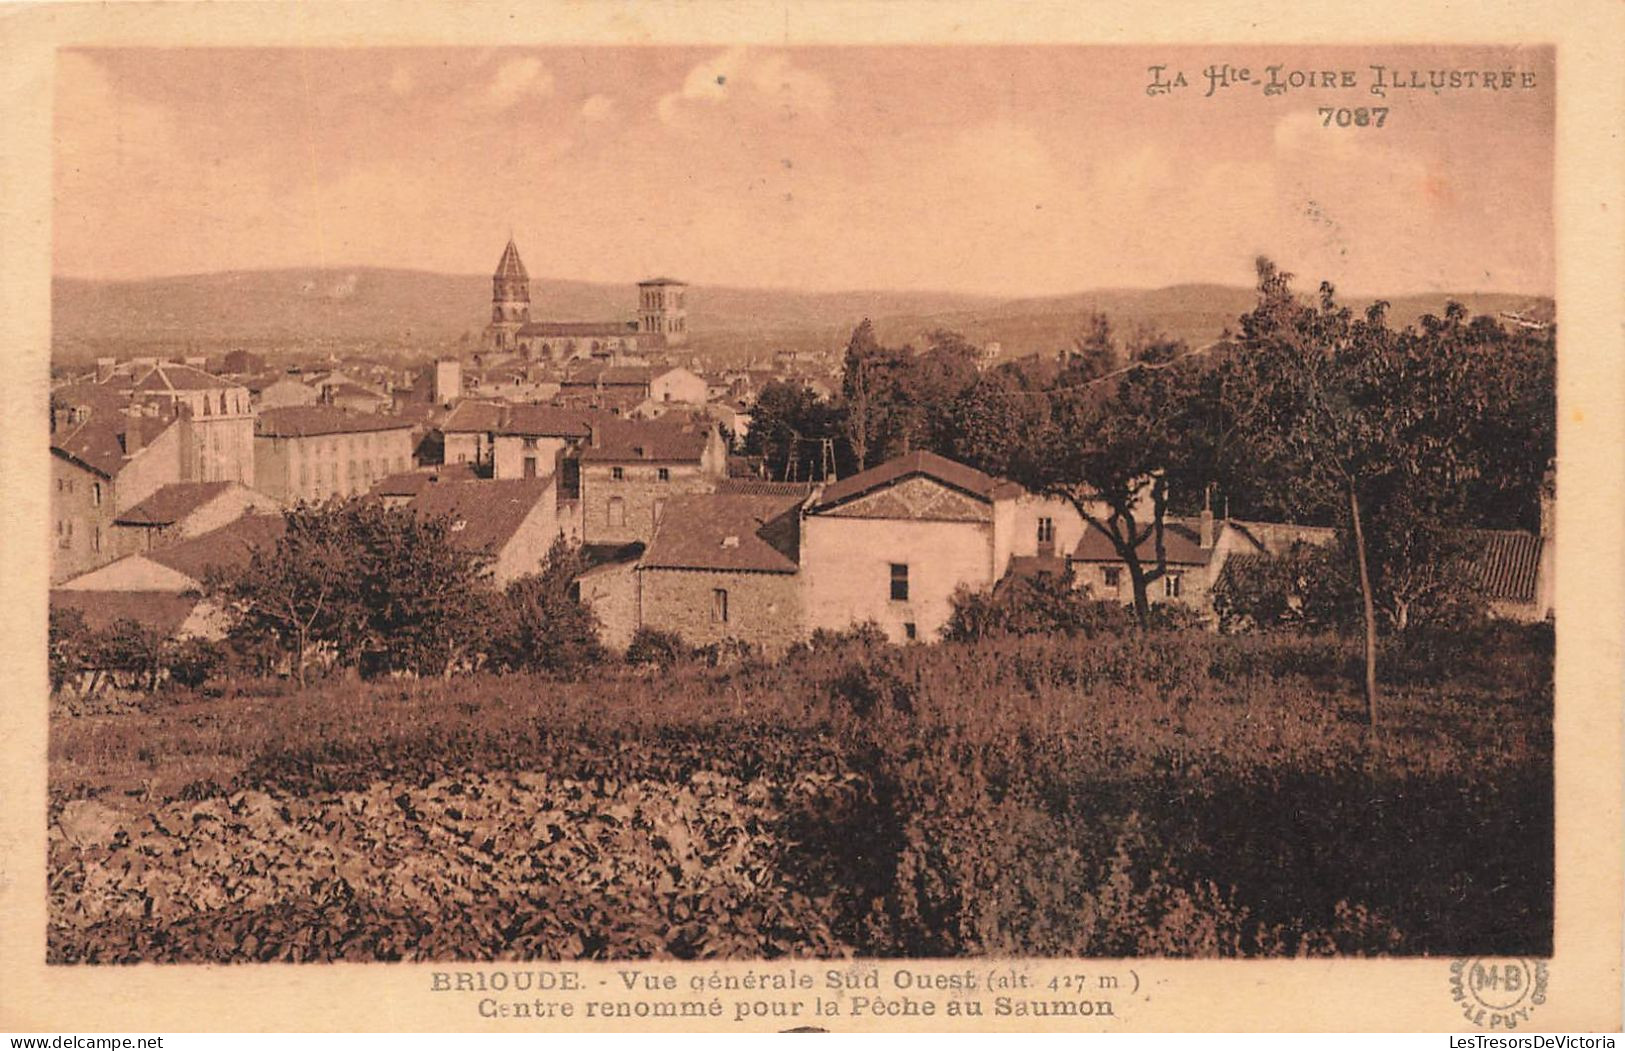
(313, 452)
(662, 320)
(631, 468)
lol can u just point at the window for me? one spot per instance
(96, 539)
(617, 512)
(899, 581)
(1111, 576)
(659, 509)
(1170, 584)
(618, 473)
(1046, 530)
(910, 632)
(530, 467)
(96, 493)
(719, 605)
(664, 474)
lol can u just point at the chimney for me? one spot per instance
(1204, 538)
(104, 369)
(132, 436)
(593, 437)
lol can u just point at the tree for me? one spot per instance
(858, 391)
(543, 625)
(788, 423)
(303, 593)
(67, 637)
(1375, 421)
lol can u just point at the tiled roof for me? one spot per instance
(510, 267)
(1180, 544)
(101, 397)
(1505, 563)
(163, 611)
(304, 421)
(1034, 565)
(647, 441)
(99, 442)
(727, 532)
(927, 464)
(170, 503)
(411, 483)
(550, 421)
(226, 549)
(761, 487)
(168, 377)
(490, 511)
(577, 329)
(609, 376)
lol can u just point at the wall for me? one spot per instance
(218, 450)
(1195, 584)
(320, 466)
(678, 385)
(463, 447)
(530, 543)
(1069, 525)
(611, 591)
(846, 563)
(287, 392)
(508, 454)
(764, 609)
(638, 490)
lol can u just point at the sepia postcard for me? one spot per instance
(843, 517)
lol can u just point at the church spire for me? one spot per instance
(510, 288)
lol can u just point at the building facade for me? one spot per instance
(312, 453)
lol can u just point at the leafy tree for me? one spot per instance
(130, 648)
(1040, 604)
(787, 421)
(542, 625)
(192, 660)
(1094, 351)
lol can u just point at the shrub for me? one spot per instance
(68, 638)
(541, 626)
(1037, 604)
(192, 661)
(653, 646)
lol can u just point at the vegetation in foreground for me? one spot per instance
(1164, 792)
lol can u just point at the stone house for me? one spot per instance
(515, 521)
(725, 567)
(892, 544)
(185, 509)
(314, 452)
(104, 462)
(675, 385)
(631, 468)
(519, 441)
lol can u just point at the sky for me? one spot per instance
(1006, 171)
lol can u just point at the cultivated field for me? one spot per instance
(1163, 793)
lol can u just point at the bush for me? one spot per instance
(68, 638)
(1039, 604)
(653, 646)
(192, 661)
(541, 626)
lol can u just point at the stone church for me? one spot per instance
(662, 320)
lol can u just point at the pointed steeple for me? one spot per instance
(510, 289)
(510, 267)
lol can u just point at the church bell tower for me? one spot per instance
(510, 300)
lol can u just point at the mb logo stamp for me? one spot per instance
(1497, 994)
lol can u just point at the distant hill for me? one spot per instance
(417, 309)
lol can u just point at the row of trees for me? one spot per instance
(1311, 413)
(381, 590)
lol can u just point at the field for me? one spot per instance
(1155, 794)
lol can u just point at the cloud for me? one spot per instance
(598, 108)
(748, 78)
(517, 79)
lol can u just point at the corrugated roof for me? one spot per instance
(304, 421)
(1505, 563)
(1181, 545)
(762, 487)
(924, 464)
(727, 532)
(162, 611)
(170, 503)
(491, 512)
(648, 441)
